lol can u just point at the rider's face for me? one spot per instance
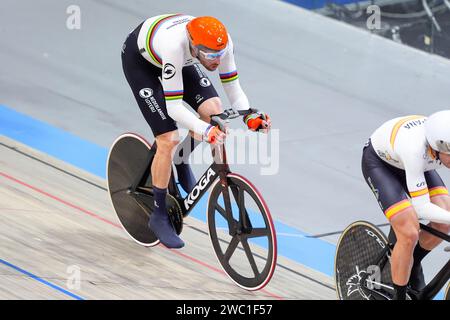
(445, 159)
(211, 65)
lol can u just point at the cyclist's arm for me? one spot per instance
(172, 82)
(418, 190)
(230, 80)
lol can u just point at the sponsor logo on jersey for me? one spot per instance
(387, 156)
(421, 184)
(177, 22)
(198, 98)
(145, 93)
(414, 123)
(204, 82)
(168, 71)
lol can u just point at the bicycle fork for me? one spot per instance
(244, 224)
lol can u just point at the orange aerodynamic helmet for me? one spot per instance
(207, 32)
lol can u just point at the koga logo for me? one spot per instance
(204, 82)
(145, 93)
(373, 235)
(198, 188)
(169, 71)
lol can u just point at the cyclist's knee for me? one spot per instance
(408, 236)
(406, 227)
(167, 142)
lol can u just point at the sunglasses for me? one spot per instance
(212, 55)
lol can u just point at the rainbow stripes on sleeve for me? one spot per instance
(151, 35)
(228, 77)
(173, 95)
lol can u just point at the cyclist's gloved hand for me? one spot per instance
(214, 135)
(258, 121)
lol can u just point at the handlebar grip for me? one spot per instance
(217, 121)
(221, 119)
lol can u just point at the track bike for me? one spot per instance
(363, 269)
(238, 219)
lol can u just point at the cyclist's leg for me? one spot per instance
(198, 92)
(427, 242)
(393, 200)
(161, 169)
(161, 165)
(406, 228)
(143, 79)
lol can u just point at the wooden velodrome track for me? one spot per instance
(57, 219)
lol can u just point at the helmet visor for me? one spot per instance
(443, 146)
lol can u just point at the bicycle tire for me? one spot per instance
(358, 247)
(256, 272)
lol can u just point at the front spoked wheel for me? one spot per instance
(362, 268)
(242, 232)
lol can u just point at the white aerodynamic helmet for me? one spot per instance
(437, 130)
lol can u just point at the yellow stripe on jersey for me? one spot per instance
(419, 193)
(438, 191)
(398, 125)
(396, 208)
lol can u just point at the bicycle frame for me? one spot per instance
(141, 188)
(218, 170)
(431, 289)
(441, 278)
(380, 262)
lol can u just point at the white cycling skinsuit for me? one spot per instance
(163, 41)
(401, 143)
